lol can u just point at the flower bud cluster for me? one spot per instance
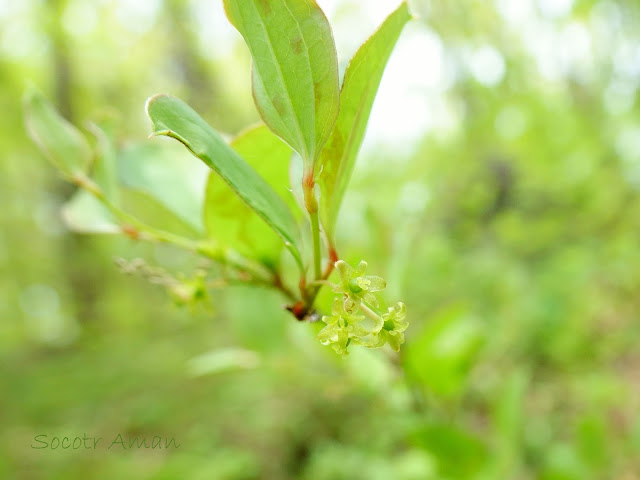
(355, 315)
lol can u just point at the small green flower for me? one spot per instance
(356, 318)
(357, 286)
(341, 329)
(395, 323)
(189, 292)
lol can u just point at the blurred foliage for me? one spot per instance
(510, 230)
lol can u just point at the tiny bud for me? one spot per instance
(131, 232)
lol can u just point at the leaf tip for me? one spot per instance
(408, 13)
(157, 127)
(405, 10)
(152, 99)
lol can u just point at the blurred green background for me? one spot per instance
(497, 193)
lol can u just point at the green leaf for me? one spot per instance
(105, 170)
(145, 208)
(296, 175)
(228, 220)
(174, 118)
(165, 172)
(295, 68)
(359, 89)
(84, 213)
(62, 143)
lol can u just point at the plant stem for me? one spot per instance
(225, 256)
(370, 313)
(333, 258)
(311, 204)
(317, 258)
(320, 283)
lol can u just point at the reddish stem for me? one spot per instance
(333, 258)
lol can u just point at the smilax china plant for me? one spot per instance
(248, 213)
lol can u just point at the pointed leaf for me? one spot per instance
(359, 89)
(295, 70)
(227, 218)
(174, 118)
(62, 143)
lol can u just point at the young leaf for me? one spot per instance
(105, 170)
(228, 220)
(84, 213)
(295, 68)
(268, 155)
(174, 118)
(144, 207)
(359, 89)
(164, 172)
(63, 145)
